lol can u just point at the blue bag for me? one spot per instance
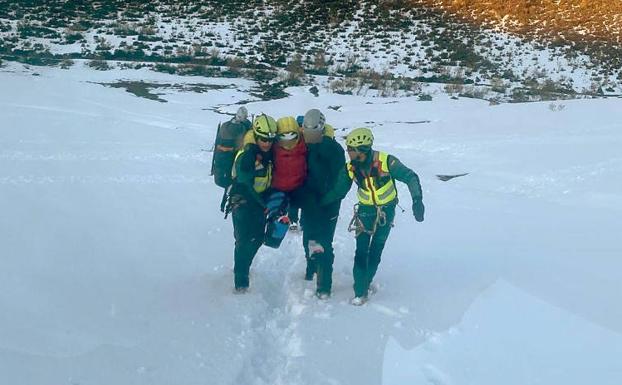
(277, 219)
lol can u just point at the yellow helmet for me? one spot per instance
(286, 124)
(264, 126)
(360, 137)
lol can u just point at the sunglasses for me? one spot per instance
(359, 149)
(264, 139)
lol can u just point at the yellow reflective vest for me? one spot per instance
(263, 174)
(376, 188)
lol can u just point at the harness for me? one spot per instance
(358, 227)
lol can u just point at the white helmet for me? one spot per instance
(313, 126)
(314, 120)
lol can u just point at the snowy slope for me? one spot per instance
(116, 264)
(531, 351)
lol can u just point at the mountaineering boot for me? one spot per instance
(358, 301)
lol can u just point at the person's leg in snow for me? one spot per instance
(318, 235)
(248, 230)
(311, 263)
(326, 259)
(361, 263)
(369, 248)
(293, 214)
(311, 235)
(378, 241)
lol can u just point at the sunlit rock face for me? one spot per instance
(579, 20)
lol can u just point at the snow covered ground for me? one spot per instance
(115, 263)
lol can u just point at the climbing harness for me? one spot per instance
(358, 227)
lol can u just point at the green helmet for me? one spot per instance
(264, 126)
(360, 137)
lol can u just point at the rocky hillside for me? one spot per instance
(591, 26)
(567, 20)
(348, 46)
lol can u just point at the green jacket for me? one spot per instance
(325, 160)
(397, 170)
(251, 163)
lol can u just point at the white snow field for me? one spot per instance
(116, 264)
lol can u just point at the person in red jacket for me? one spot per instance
(290, 157)
(294, 213)
(288, 177)
(290, 163)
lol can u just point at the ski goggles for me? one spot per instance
(360, 149)
(288, 136)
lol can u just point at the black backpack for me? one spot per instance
(228, 140)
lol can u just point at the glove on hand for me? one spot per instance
(418, 210)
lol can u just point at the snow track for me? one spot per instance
(274, 333)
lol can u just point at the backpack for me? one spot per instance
(228, 142)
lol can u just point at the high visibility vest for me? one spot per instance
(378, 189)
(263, 174)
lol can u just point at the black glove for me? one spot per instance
(418, 210)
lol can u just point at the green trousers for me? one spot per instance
(369, 246)
(249, 223)
(319, 225)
